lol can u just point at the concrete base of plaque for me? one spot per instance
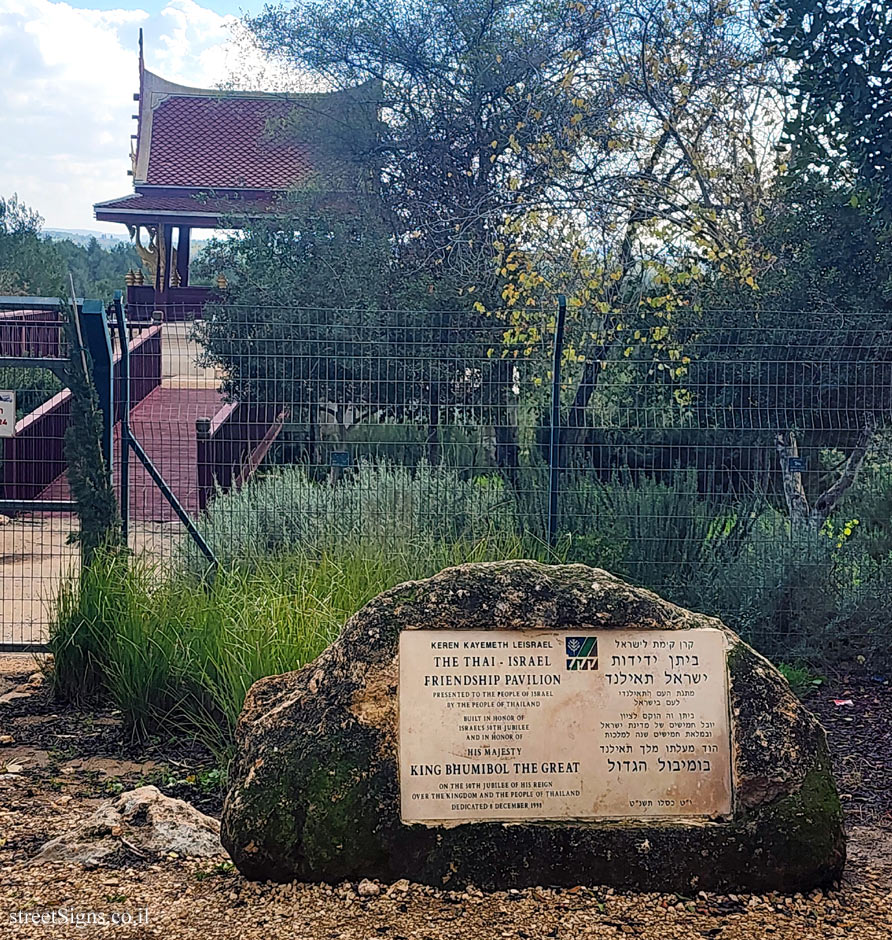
(513, 723)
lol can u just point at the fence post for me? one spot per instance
(97, 339)
(554, 443)
(205, 463)
(125, 414)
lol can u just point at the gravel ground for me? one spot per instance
(66, 762)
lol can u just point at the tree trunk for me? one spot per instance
(505, 424)
(313, 430)
(812, 517)
(573, 432)
(794, 491)
(433, 429)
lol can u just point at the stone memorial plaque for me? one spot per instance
(507, 725)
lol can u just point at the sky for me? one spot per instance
(68, 72)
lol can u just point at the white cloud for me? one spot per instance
(67, 78)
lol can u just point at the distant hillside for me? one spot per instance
(82, 236)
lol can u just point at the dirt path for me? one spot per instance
(36, 558)
(65, 762)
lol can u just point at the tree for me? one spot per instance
(97, 271)
(841, 53)
(470, 90)
(671, 183)
(88, 475)
(532, 147)
(827, 250)
(473, 91)
(33, 264)
(322, 313)
(794, 373)
(28, 262)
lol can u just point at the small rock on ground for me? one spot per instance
(141, 823)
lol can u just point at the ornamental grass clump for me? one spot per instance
(176, 654)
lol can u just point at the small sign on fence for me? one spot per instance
(796, 464)
(339, 458)
(7, 413)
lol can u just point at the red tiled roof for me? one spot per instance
(250, 205)
(239, 152)
(226, 142)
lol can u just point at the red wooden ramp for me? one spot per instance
(164, 423)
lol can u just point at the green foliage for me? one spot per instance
(32, 387)
(176, 655)
(97, 271)
(659, 534)
(830, 251)
(803, 353)
(841, 52)
(299, 557)
(88, 477)
(759, 372)
(220, 869)
(322, 312)
(32, 264)
(872, 497)
(802, 678)
(286, 511)
(82, 641)
(457, 445)
(799, 355)
(29, 264)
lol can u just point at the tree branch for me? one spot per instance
(830, 498)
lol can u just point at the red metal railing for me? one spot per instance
(180, 303)
(31, 333)
(233, 444)
(145, 369)
(35, 456)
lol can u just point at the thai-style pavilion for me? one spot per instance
(209, 158)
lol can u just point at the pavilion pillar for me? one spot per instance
(183, 254)
(162, 277)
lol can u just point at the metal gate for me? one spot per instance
(37, 551)
(142, 402)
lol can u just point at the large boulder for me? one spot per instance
(315, 791)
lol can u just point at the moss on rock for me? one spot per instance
(315, 793)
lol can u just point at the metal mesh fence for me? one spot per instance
(35, 549)
(736, 462)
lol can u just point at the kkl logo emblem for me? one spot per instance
(582, 652)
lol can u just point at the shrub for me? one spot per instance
(33, 387)
(660, 535)
(298, 557)
(387, 504)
